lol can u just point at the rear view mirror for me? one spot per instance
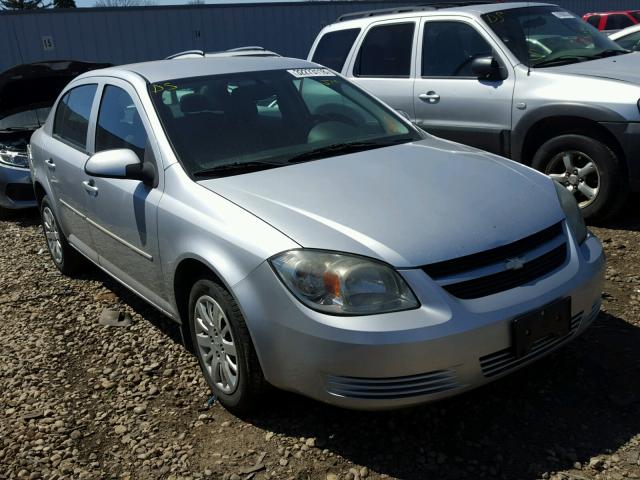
(487, 68)
(120, 163)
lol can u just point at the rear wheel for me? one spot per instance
(588, 169)
(64, 256)
(223, 346)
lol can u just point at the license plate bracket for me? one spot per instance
(553, 320)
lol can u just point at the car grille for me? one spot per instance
(505, 360)
(393, 387)
(485, 273)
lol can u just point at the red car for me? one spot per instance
(613, 20)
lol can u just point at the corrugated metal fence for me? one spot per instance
(124, 35)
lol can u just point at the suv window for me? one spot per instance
(333, 48)
(618, 21)
(386, 51)
(72, 115)
(594, 20)
(119, 124)
(448, 49)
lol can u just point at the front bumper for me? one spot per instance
(445, 347)
(16, 189)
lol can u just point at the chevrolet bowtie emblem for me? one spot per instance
(514, 263)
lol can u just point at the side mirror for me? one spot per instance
(487, 68)
(120, 163)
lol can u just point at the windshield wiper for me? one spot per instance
(562, 60)
(344, 148)
(236, 168)
(612, 52)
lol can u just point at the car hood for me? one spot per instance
(408, 205)
(33, 85)
(625, 68)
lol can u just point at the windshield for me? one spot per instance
(270, 118)
(31, 119)
(549, 36)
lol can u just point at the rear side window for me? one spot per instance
(635, 15)
(618, 21)
(594, 20)
(448, 49)
(386, 51)
(119, 124)
(333, 48)
(72, 115)
(630, 42)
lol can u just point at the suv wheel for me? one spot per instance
(64, 256)
(588, 169)
(223, 347)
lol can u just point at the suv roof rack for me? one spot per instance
(410, 8)
(186, 52)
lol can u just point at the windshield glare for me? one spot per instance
(268, 116)
(539, 35)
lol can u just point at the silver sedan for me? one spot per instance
(306, 236)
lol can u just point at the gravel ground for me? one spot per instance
(83, 400)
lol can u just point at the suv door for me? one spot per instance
(384, 63)
(451, 102)
(123, 212)
(65, 164)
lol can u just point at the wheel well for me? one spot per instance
(551, 127)
(188, 272)
(40, 192)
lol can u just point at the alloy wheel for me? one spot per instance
(52, 234)
(216, 345)
(578, 173)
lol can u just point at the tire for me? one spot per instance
(607, 174)
(213, 349)
(68, 260)
(5, 213)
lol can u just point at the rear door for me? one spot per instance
(384, 64)
(123, 212)
(450, 101)
(65, 164)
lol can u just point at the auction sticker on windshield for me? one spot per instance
(563, 15)
(311, 72)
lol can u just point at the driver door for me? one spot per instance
(450, 102)
(123, 212)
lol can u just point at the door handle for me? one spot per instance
(89, 186)
(429, 97)
(49, 163)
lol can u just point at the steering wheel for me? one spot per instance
(333, 117)
(466, 62)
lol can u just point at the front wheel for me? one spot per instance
(64, 256)
(588, 169)
(223, 347)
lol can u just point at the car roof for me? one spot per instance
(161, 70)
(422, 10)
(612, 12)
(624, 32)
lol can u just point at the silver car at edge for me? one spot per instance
(307, 236)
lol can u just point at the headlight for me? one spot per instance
(15, 159)
(342, 284)
(572, 212)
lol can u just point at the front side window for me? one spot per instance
(333, 48)
(618, 21)
(268, 119)
(386, 51)
(448, 49)
(548, 36)
(630, 42)
(71, 121)
(119, 123)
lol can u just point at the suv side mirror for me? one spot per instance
(120, 163)
(487, 68)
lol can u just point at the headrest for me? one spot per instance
(193, 103)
